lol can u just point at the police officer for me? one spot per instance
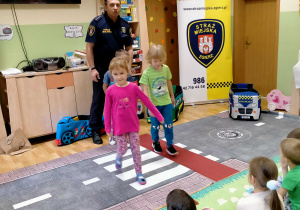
(106, 34)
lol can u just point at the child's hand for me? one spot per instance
(162, 122)
(151, 114)
(283, 162)
(109, 134)
(173, 101)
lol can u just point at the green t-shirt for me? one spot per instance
(157, 84)
(291, 182)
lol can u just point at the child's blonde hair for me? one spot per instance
(123, 54)
(118, 62)
(290, 149)
(156, 51)
(264, 170)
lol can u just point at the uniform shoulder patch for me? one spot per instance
(98, 18)
(91, 30)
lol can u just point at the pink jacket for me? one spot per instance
(121, 104)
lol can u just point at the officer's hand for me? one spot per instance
(95, 75)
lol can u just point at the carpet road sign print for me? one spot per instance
(205, 39)
(230, 134)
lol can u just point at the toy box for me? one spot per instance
(244, 102)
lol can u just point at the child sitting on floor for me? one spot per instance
(290, 157)
(179, 200)
(262, 175)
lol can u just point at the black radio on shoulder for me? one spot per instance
(48, 64)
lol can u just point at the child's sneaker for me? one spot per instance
(112, 141)
(171, 150)
(141, 179)
(118, 163)
(156, 146)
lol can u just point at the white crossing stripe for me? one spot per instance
(259, 124)
(129, 162)
(280, 115)
(212, 157)
(31, 201)
(180, 145)
(112, 157)
(195, 151)
(160, 177)
(90, 181)
(224, 111)
(146, 168)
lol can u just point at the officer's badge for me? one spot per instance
(205, 40)
(123, 30)
(91, 30)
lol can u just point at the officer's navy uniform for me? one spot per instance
(108, 37)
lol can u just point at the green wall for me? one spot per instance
(41, 41)
(288, 50)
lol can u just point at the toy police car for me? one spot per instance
(244, 102)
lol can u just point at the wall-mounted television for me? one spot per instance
(40, 1)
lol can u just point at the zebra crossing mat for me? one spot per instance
(90, 184)
(191, 159)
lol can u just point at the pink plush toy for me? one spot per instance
(276, 100)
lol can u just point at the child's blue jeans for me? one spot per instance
(166, 112)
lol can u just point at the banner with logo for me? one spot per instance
(205, 60)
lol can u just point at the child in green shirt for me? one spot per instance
(290, 157)
(157, 85)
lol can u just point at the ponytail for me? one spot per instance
(275, 203)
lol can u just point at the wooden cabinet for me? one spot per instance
(83, 91)
(62, 103)
(2, 126)
(35, 102)
(34, 105)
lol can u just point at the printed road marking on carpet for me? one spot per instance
(191, 160)
(31, 201)
(157, 164)
(160, 177)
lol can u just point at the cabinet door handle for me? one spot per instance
(30, 76)
(59, 73)
(60, 88)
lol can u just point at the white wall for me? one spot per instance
(289, 5)
(31, 14)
